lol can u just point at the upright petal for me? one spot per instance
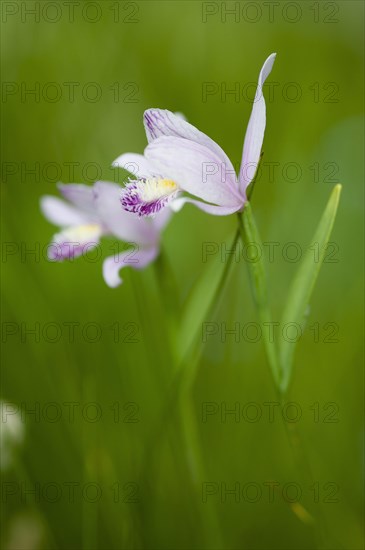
(195, 169)
(58, 212)
(136, 164)
(137, 259)
(255, 130)
(161, 122)
(116, 220)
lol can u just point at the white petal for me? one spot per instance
(162, 218)
(195, 169)
(177, 205)
(137, 259)
(124, 225)
(58, 212)
(255, 129)
(80, 195)
(136, 164)
(161, 122)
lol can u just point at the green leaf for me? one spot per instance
(303, 283)
(203, 297)
(258, 278)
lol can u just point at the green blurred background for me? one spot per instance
(146, 490)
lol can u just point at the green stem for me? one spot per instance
(250, 236)
(186, 371)
(251, 187)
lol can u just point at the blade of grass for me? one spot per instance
(205, 295)
(303, 284)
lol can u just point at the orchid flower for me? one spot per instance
(89, 213)
(180, 158)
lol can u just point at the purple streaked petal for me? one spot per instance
(137, 259)
(58, 212)
(161, 122)
(73, 242)
(255, 129)
(118, 222)
(59, 251)
(195, 169)
(136, 164)
(177, 205)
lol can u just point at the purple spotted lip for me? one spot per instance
(147, 196)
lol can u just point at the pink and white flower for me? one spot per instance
(180, 160)
(90, 212)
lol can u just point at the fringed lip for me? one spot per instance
(147, 196)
